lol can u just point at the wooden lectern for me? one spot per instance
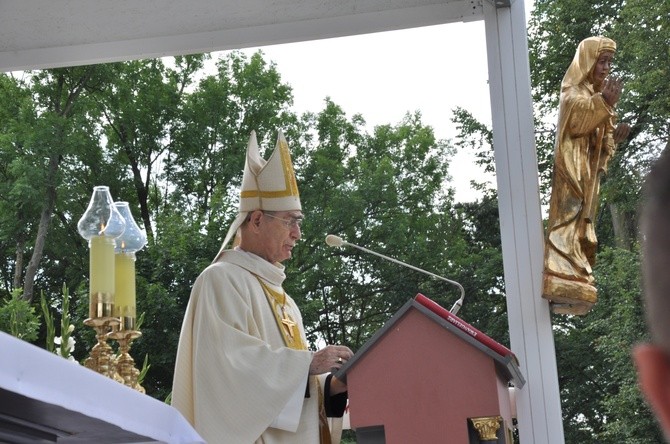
(429, 377)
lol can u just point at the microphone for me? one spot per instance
(337, 241)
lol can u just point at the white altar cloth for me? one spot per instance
(45, 398)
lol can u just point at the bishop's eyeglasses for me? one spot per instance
(290, 222)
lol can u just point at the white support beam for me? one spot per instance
(538, 402)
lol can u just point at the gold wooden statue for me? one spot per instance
(586, 137)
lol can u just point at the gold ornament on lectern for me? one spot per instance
(487, 427)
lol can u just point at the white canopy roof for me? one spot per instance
(45, 34)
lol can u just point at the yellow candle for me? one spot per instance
(101, 272)
(124, 279)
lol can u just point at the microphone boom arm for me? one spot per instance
(336, 241)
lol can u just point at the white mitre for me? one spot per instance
(266, 185)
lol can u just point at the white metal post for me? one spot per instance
(538, 402)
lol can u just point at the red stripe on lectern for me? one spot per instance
(462, 325)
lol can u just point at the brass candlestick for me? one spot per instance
(101, 358)
(125, 365)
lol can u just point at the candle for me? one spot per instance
(132, 240)
(124, 282)
(101, 272)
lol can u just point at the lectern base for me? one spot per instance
(371, 435)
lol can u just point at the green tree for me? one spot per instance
(141, 109)
(59, 133)
(210, 138)
(45, 140)
(480, 223)
(18, 199)
(386, 191)
(171, 140)
(619, 289)
(600, 398)
(18, 317)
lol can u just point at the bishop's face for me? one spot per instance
(280, 232)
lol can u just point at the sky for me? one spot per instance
(383, 76)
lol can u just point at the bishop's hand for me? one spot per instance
(329, 359)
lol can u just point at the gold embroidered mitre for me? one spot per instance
(270, 185)
(266, 185)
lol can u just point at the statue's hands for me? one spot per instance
(330, 358)
(621, 132)
(611, 91)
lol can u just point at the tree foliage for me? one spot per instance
(383, 190)
(18, 317)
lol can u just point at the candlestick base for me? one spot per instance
(125, 364)
(101, 358)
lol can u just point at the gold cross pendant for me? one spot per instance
(288, 323)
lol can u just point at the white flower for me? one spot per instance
(70, 345)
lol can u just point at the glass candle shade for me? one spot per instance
(101, 224)
(101, 217)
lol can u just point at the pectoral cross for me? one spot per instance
(287, 322)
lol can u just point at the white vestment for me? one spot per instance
(234, 375)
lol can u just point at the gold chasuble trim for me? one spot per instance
(287, 326)
(324, 428)
(293, 339)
